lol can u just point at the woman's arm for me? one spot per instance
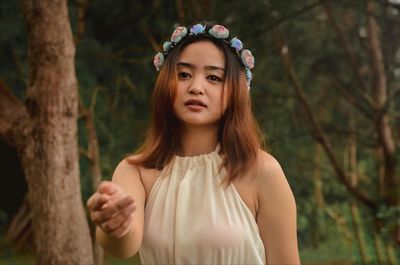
(127, 177)
(276, 215)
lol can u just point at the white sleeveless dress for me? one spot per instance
(191, 219)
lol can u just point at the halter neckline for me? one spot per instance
(216, 150)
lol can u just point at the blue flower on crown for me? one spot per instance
(237, 44)
(197, 29)
(167, 46)
(249, 76)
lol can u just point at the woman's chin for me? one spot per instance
(199, 122)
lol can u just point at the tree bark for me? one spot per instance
(380, 253)
(353, 171)
(360, 234)
(318, 233)
(45, 135)
(391, 192)
(382, 123)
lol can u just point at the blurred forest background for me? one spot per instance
(326, 92)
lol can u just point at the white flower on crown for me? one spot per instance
(178, 34)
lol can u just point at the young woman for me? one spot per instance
(200, 190)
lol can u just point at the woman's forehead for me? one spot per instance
(202, 53)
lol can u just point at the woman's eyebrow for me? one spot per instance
(207, 67)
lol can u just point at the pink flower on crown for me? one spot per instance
(178, 34)
(247, 59)
(219, 32)
(158, 61)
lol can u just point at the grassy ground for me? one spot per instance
(109, 260)
(331, 252)
(319, 256)
(11, 256)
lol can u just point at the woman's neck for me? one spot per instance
(198, 140)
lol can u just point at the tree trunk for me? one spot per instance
(318, 233)
(353, 173)
(50, 154)
(391, 254)
(382, 120)
(380, 253)
(358, 229)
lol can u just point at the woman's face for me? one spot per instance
(201, 75)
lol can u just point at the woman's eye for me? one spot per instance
(215, 78)
(183, 75)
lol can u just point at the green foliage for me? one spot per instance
(389, 216)
(113, 66)
(13, 48)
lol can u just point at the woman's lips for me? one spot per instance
(196, 108)
(195, 102)
(195, 105)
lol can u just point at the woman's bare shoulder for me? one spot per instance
(130, 158)
(269, 174)
(127, 166)
(134, 160)
(267, 165)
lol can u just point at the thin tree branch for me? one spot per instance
(151, 39)
(317, 131)
(351, 99)
(82, 6)
(388, 3)
(295, 14)
(340, 221)
(19, 66)
(181, 11)
(14, 117)
(85, 153)
(357, 8)
(115, 57)
(346, 47)
(306, 9)
(94, 98)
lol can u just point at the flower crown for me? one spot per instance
(216, 31)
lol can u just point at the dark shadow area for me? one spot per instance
(13, 181)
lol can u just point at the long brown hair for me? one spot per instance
(239, 135)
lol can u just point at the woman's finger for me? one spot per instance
(116, 221)
(128, 210)
(123, 228)
(107, 187)
(112, 210)
(97, 201)
(117, 206)
(124, 202)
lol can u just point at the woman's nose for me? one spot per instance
(196, 87)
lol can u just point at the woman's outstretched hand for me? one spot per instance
(111, 209)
